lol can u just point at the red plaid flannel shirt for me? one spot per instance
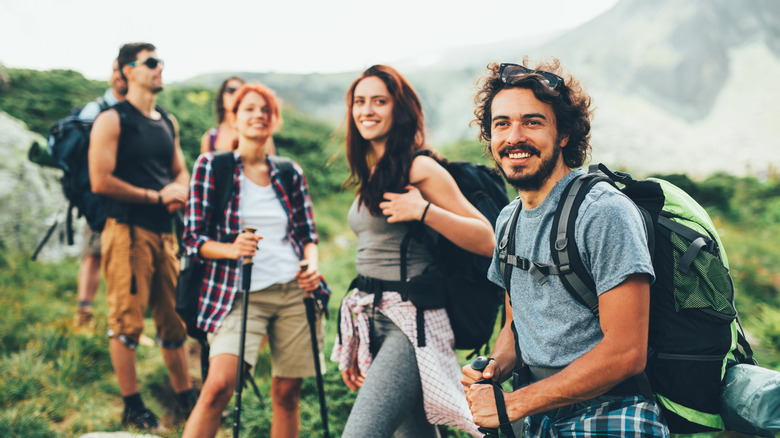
(222, 277)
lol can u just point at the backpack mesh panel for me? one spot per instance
(706, 285)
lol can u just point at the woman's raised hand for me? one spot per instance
(403, 207)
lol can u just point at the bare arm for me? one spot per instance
(245, 245)
(450, 213)
(103, 146)
(622, 353)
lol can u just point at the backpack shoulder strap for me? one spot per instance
(286, 172)
(506, 246)
(102, 103)
(563, 246)
(224, 164)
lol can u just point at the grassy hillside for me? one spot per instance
(54, 382)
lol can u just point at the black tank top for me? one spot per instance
(144, 157)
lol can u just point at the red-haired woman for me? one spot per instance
(405, 388)
(286, 234)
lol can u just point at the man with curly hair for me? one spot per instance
(586, 372)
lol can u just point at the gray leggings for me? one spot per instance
(390, 400)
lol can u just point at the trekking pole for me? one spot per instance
(45, 238)
(246, 281)
(478, 364)
(312, 318)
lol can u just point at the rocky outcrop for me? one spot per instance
(30, 196)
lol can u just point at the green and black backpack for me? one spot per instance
(694, 330)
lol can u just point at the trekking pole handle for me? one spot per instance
(479, 363)
(253, 230)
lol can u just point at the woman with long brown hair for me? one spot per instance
(406, 386)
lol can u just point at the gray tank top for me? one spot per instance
(379, 246)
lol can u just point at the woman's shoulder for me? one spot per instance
(425, 166)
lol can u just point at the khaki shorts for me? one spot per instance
(90, 245)
(148, 259)
(278, 311)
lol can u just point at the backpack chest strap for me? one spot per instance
(539, 271)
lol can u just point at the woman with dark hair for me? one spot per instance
(223, 136)
(281, 210)
(406, 386)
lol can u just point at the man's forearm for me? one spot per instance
(120, 190)
(504, 351)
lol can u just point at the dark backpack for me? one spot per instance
(694, 331)
(69, 147)
(472, 301)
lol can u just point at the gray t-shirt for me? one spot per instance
(553, 328)
(379, 246)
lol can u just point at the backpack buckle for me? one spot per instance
(523, 264)
(561, 242)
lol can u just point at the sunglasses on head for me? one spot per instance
(149, 62)
(508, 71)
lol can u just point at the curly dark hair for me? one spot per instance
(569, 102)
(407, 136)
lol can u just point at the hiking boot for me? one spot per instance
(143, 419)
(184, 403)
(84, 321)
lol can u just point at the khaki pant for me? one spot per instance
(278, 312)
(140, 268)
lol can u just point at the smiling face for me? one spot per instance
(253, 117)
(372, 110)
(524, 139)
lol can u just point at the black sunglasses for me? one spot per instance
(149, 62)
(507, 71)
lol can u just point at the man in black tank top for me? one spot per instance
(136, 163)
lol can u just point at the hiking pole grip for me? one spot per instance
(246, 281)
(479, 363)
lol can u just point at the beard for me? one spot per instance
(536, 180)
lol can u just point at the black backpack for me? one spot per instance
(694, 330)
(69, 147)
(472, 301)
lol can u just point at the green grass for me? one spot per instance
(55, 383)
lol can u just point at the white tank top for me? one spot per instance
(275, 260)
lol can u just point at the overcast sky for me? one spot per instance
(195, 37)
